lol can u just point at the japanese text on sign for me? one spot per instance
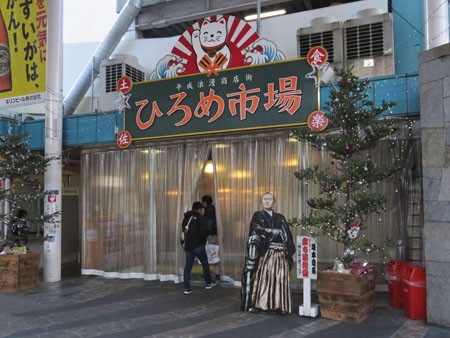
(286, 97)
(254, 97)
(26, 23)
(306, 257)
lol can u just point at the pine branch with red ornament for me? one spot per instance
(345, 199)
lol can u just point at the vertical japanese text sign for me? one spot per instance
(26, 43)
(306, 257)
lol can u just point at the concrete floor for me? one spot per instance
(81, 306)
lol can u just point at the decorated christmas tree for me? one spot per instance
(345, 199)
(21, 188)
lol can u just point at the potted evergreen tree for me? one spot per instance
(21, 187)
(345, 200)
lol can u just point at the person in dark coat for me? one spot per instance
(211, 221)
(196, 231)
(210, 214)
(20, 228)
(268, 260)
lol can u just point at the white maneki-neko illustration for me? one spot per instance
(215, 43)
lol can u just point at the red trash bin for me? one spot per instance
(393, 276)
(415, 293)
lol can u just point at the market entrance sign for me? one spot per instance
(220, 76)
(247, 98)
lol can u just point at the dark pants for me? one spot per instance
(190, 255)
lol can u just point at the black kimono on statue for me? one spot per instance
(268, 259)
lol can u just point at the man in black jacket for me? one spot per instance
(196, 231)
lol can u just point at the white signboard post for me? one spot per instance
(307, 270)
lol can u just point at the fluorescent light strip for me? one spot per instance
(265, 15)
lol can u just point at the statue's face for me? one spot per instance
(267, 201)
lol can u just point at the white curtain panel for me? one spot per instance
(133, 201)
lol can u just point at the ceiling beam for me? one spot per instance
(161, 14)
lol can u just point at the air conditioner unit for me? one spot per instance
(111, 71)
(22, 117)
(368, 45)
(325, 33)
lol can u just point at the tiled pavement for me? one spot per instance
(94, 307)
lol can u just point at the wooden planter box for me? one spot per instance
(345, 296)
(19, 272)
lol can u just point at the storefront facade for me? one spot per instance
(237, 119)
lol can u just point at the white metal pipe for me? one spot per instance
(104, 50)
(258, 17)
(93, 75)
(436, 23)
(53, 140)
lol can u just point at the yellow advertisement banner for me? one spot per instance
(23, 52)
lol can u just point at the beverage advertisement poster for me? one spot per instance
(23, 49)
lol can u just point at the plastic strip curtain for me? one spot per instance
(133, 202)
(115, 213)
(244, 170)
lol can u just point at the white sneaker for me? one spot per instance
(210, 286)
